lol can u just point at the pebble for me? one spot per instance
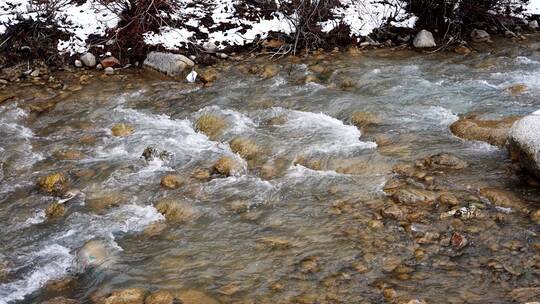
(109, 71)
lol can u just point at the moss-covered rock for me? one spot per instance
(55, 183)
(211, 125)
(122, 130)
(244, 147)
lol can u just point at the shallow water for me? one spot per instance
(320, 217)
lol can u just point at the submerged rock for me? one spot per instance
(121, 130)
(226, 166)
(196, 297)
(93, 253)
(210, 125)
(60, 300)
(168, 63)
(55, 210)
(56, 183)
(522, 295)
(411, 196)
(424, 39)
(160, 297)
(524, 143)
(244, 147)
(502, 198)
(171, 181)
(151, 153)
(175, 210)
(127, 296)
(269, 71)
(494, 132)
(209, 75)
(363, 119)
(445, 161)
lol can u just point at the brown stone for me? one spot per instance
(68, 155)
(517, 89)
(244, 147)
(411, 196)
(535, 216)
(196, 297)
(55, 210)
(175, 210)
(209, 75)
(160, 297)
(61, 300)
(502, 198)
(364, 119)
(201, 174)
(445, 161)
(109, 62)
(210, 125)
(126, 296)
(122, 130)
(448, 199)
(226, 166)
(528, 294)
(171, 182)
(494, 132)
(55, 183)
(269, 71)
(462, 50)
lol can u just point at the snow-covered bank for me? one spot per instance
(212, 24)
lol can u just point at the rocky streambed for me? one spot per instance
(329, 179)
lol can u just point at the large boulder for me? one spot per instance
(94, 253)
(424, 39)
(168, 63)
(524, 142)
(494, 132)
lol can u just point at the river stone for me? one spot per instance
(171, 181)
(196, 297)
(522, 295)
(89, 59)
(494, 132)
(210, 125)
(61, 300)
(502, 198)
(424, 39)
(244, 147)
(168, 63)
(445, 161)
(411, 196)
(175, 210)
(478, 35)
(126, 296)
(55, 210)
(56, 183)
(226, 166)
(93, 254)
(524, 142)
(533, 24)
(160, 297)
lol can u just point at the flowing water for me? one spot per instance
(306, 234)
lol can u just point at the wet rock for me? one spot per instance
(201, 174)
(526, 294)
(61, 300)
(269, 71)
(210, 125)
(55, 210)
(151, 153)
(533, 24)
(126, 296)
(363, 119)
(3, 270)
(411, 196)
(171, 182)
(524, 143)
(121, 130)
(230, 289)
(56, 183)
(458, 241)
(448, 199)
(424, 39)
(109, 62)
(502, 198)
(160, 297)
(68, 155)
(462, 50)
(226, 166)
(104, 200)
(535, 216)
(168, 63)
(209, 75)
(244, 147)
(275, 243)
(109, 71)
(517, 89)
(478, 35)
(89, 60)
(445, 161)
(494, 132)
(196, 297)
(93, 253)
(394, 212)
(78, 64)
(175, 210)
(60, 284)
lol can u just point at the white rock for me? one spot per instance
(168, 63)
(533, 24)
(480, 36)
(524, 141)
(210, 46)
(78, 64)
(88, 60)
(191, 77)
(35, 73)
(99, 66)
(222, 55)
(424, 39)
(109, 71)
